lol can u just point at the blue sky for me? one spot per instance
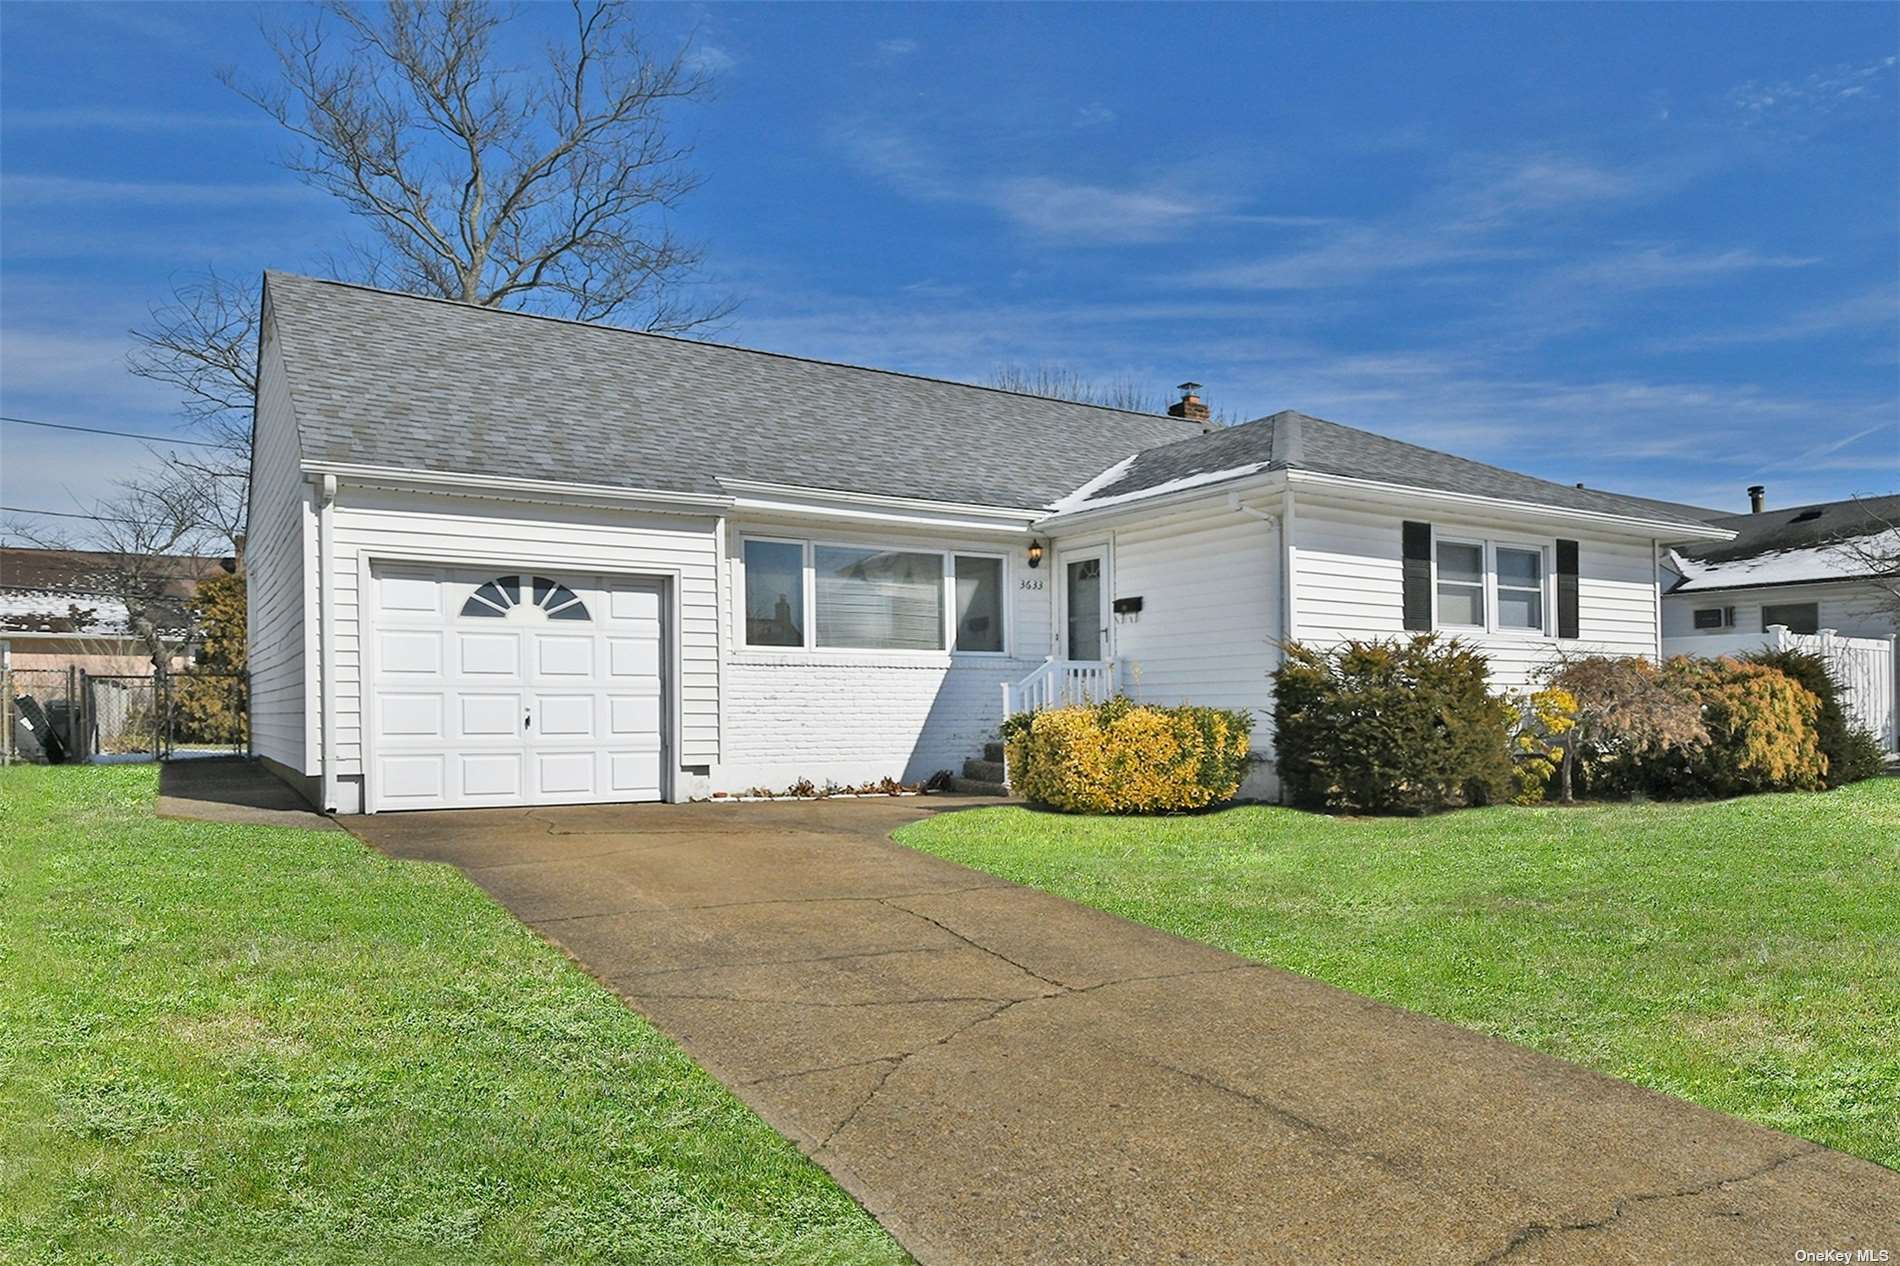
(1653, 248)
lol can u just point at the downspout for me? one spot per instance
(326, 634)
(1289, 561)
(1655, 572)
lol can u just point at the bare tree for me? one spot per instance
(1873, 549)
(202, 342)
(489, 184)
(1059, 383)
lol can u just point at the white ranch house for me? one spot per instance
(502, 559)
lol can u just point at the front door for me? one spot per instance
(1085, 600)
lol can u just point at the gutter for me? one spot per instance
(1660, 529)
(537, 489)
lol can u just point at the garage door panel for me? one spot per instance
(410, 716)
(564, 773)
(634, 775)
(633, 657)
(490, 776)
(558, 656)
(410, 594)
(488, 716)
(548, 692)
(406, 780)
(635, 604)
(633, 714)
(496, 655)
(410, 653)
(565, 716)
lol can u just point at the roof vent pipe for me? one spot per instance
(1757, 498)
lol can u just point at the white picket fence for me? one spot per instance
(1863, 665)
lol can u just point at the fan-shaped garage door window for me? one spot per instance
(495, 598)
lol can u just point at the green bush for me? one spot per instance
(1405, 726)
(1852, 753)
(1124, 757)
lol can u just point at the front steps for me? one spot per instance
(983, 776)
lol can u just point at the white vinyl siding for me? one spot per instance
(1849, 608)
(1348, 583)
(521, 536)
(1208, 628)
(280, 571)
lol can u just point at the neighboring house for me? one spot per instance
(58, 610)
(1792, 568)
(504, 559)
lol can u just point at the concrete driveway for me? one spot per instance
(1002, 1076)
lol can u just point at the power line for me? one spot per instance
(67, 514)
(130, 435)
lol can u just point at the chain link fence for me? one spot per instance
(58, 715)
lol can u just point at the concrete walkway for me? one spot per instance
(1002, 1076)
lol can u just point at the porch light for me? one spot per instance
(1035, 554)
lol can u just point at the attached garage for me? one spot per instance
(491, 687)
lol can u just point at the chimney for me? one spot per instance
(1189, 406)
(1757, 495)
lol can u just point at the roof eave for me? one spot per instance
(1661, 529)
(1254, 480)
(524, 489)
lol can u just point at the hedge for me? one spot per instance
(1402, 726)
(1124, 757)
(1852, 753)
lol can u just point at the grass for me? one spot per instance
(241, 1044)
(1742, 954)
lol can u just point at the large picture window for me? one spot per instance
(879, 600)
(774, 593)
(863, 598)
(979, 603)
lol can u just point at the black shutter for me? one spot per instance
(1566, 589)
(1418, 575)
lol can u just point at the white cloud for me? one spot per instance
(1871, 309)
(1655, 266)
(1095, 114)
(1048, 206)
(892, 49)
(151, 120)
(1820, 93)
(710, 59)
(39, 190)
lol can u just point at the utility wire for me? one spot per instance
(130, 435)
(68, 514)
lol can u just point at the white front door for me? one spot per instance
(510, 687)
(1085, 604)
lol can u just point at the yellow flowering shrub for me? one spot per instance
(1123, 757)
(1538, 746)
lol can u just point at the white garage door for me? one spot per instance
(514, 687)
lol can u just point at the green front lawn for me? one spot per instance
(1744, 954)
(240, 1044)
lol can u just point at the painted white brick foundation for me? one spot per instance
(857, 720)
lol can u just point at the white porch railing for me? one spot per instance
(1863, 665)
(1061, 681)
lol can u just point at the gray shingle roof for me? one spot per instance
(1797, 527)
(1290, 440)
(387, 379)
